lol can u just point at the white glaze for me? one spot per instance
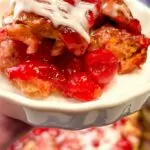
(59, 12)
(8, 20)
(63, 13)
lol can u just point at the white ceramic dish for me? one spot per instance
(126, 95)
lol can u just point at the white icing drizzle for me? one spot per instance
(8, 20)
(59, 12)
(63, 13)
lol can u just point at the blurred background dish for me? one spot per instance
(130, 133)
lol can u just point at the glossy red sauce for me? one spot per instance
(74, 76)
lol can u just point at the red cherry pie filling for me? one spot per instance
(42, 54)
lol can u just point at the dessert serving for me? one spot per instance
(71, 47)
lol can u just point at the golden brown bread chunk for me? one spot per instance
(35, 88)
(130, 49)
(31, 29)
(8, 54)
(37, 28)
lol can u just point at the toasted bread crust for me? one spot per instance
(129, 48)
